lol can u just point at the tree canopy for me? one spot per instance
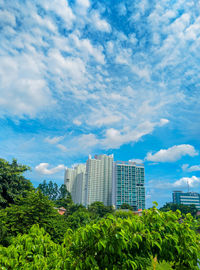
(185, 209)
(98, 208)
(136, 242)
(53, 191)
(12, 182)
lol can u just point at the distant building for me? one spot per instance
(186, 198)
(61, 211)
(129, 185)
(99, 176)
(75, 183)
(104, 180)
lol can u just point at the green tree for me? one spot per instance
(99, 209)
(128, 206)
(185, 209)
(155, 239)
(53, 191)
(35, 208)
(79, 218)
(12, 182)
(34, 250)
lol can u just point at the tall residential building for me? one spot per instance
(99, 174)
(104, 180)
(186, 198)
(75, 183)
(129, 184)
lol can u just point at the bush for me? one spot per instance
(135, 242)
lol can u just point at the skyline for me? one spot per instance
(87, 77)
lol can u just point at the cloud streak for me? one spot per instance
(172, 154)
(187, 168)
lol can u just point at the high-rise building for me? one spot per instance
(129, 185)
(104, 180)
(186, 198)
(75, 183)
(99, 174)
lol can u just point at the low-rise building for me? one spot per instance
(186, 198)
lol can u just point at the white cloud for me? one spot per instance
(72, 68)
(172, 154)
(77, 122)
(86, 141)
(30, 94)
(182, 183)
(84, 3)
(163, 122)
(114, 138)
(7, 18)
(136, 160)
(62, 147)
(185, 181)
(55, 63)
(42, 168)
(194, 168)
(100, 24)
(54, 140)
(61, 9)
(85, 46)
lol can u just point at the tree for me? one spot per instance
(79, 218)
(185, 209)
(99, 209)
(128, 206)
(53, 191)
(136, 243)
(12, 182)
(35, 208)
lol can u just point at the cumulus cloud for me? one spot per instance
(187, 168)
(184, 181)
(100, 24)
(83, 3)
(125, 83)
(42, 168)
(172, 154)
(31, 93)
(114, 138)
(61, 9)
(54, 140)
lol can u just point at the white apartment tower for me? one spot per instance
(104, 180)
(75, 183)
(99, 172)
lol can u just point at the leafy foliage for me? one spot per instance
(12, 182)
(185, 209)
(53, 191)
(35, 208)
(127, 206)
(111, 243)
(99, 209)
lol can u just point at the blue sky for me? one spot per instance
(89, 77)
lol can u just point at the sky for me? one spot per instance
(87, 77)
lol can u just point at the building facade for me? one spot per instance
(75, 182)
(104, 180)
(99, 175)
(186, 198)
(129, 185)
